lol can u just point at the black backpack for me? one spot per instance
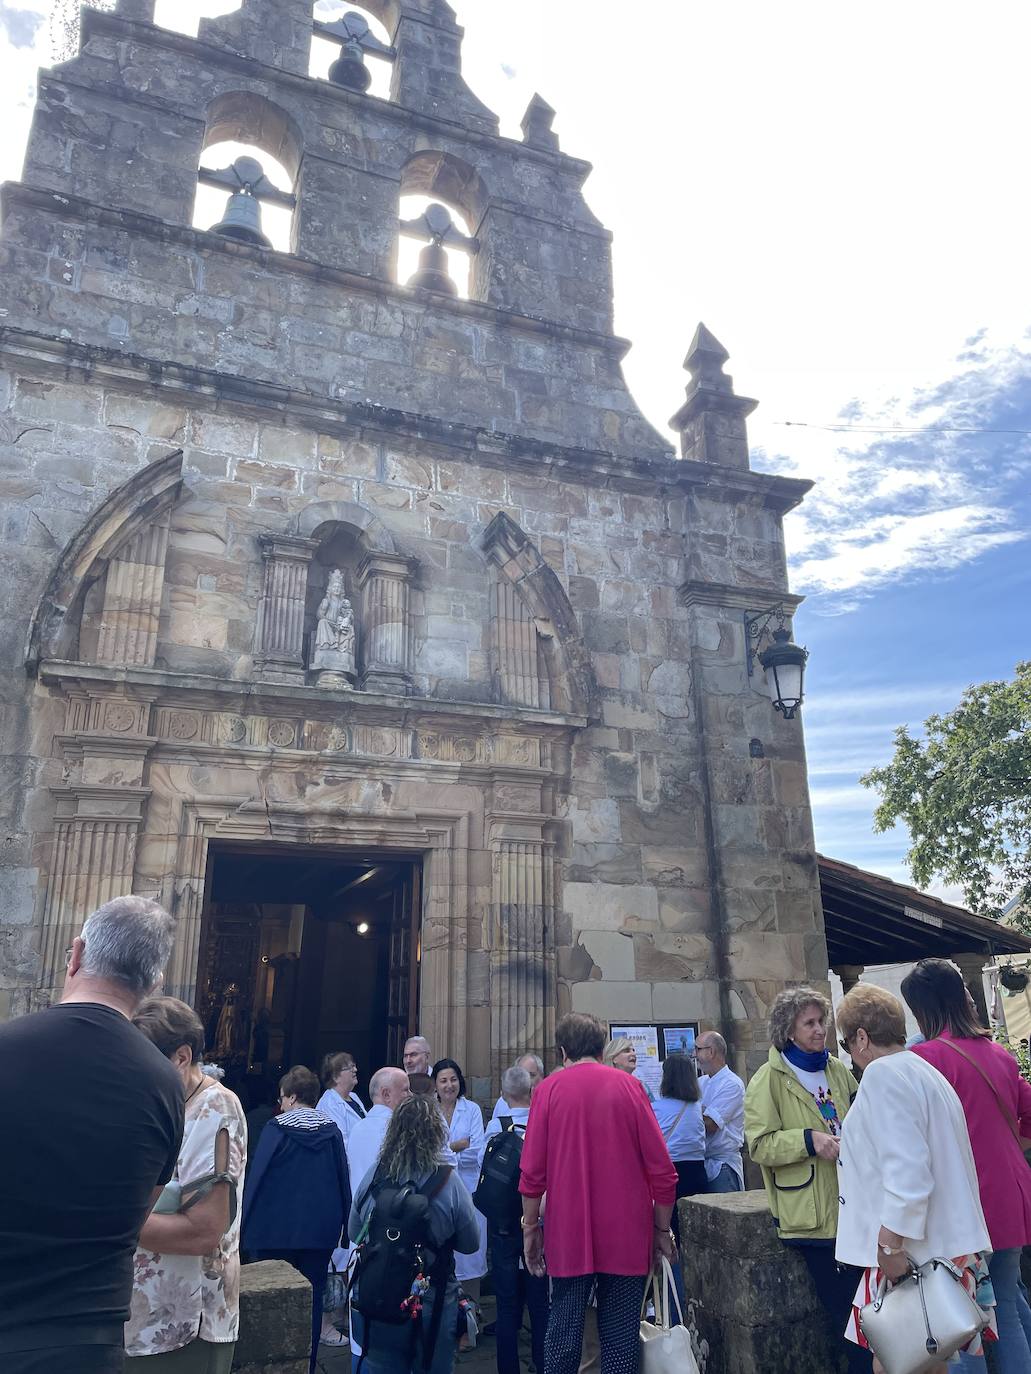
(394, 1251)
(497, 1192)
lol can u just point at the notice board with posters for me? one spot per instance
(653, 1043)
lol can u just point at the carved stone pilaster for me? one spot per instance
(279, 647)
(92, 860)
(132, 599)
(521, 958)
(385, 579)
(514, 648)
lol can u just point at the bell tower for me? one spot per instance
(304, 556)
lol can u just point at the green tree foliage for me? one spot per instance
(963, 792)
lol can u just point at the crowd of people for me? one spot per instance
(133, 1188)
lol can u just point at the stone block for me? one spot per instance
(611, 1001)
(767, 1320)
(612, 953)
(611, 906)
(275, 1320)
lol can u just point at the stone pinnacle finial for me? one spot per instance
(705, 359)
(712, 419)
(536, 125)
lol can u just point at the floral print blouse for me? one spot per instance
(178, 1298)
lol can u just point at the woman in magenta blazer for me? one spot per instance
(997, 1105)
(593, 1145)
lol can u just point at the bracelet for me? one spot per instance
(529, 1225)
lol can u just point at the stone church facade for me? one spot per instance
(296, 557)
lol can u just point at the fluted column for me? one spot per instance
(385, 579)
(515, 666)
(522, 1001)
(92, 861)
(279, 647)
(132, 599)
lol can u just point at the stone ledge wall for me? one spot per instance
(751, 1306)
(275, 1320)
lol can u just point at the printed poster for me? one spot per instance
(645, 1040)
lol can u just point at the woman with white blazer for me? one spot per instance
(906, 1171)
(465, 1136)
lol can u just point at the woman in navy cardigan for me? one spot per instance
(298, 1196)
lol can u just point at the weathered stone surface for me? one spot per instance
(552, 705)
(752, 1307)
(275, 1320)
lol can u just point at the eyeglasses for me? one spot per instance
(845, 1044)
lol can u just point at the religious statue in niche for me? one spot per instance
(333, 643)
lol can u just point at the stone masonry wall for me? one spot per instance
(663, 867)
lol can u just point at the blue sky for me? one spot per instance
(838, 192)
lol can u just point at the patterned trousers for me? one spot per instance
(619, 1315)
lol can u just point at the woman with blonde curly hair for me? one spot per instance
(411, 1154)
(794, 1107)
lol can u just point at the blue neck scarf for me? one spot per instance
(809, 1061)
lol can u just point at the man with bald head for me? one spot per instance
(723, 1113)
(417, 1056)
(388, 1088)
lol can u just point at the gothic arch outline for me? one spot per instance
(147, 495)
(518, 560)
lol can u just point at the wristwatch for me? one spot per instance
(890, 1250)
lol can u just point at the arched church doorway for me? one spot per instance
(304, 952)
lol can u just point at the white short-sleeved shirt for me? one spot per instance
(723, 1102)
(178, 1298)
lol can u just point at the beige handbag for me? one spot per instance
(665, 1348)
(922, 1319)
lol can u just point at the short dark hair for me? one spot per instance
(679, 1079)
(168, 1023)
(301, 1083)
(581, 1035)
(333, 1066)
(937, 996)
(440, 1066)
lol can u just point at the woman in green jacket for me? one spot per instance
(794, 1107)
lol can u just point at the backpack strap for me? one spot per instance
(436, 1182)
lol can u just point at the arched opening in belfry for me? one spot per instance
(442, 202)
(248, 171)
(184, 16)
(350, 47)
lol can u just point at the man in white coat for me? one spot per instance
(723, 1113)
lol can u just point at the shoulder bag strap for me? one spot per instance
(667, 1135)
(1007, 1114)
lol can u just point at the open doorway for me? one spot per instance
(304, 952)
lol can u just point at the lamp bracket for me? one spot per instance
(757, 628)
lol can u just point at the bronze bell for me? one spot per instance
(349, 70)
(433, 274)
(242, 220)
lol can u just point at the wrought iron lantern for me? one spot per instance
(782, 661)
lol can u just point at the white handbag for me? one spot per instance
(922, 1319)
(665, 1348)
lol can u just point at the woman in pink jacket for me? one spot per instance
(593, 1145)
(997, 1105)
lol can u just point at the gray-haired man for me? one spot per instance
(723, 1112)
(95, 1120)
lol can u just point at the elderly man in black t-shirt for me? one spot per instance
(95, 1119)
